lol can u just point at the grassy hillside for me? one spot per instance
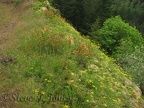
(53, 66)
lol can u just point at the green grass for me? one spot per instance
(54, 60)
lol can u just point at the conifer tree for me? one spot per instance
(83, 13)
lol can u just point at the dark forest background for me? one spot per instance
(83, 13)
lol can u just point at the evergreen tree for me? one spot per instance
(72, 10)
(96, 9)
(83, 13)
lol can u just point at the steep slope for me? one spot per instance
(58, 68)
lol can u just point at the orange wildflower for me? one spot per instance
(91, 53)
(84, 54)
(41, 56)
(57, 40)
(69, 40)
(32, 33)
(50, 13)
(46, 30)
(37, 30)
(39, 38)
(46, 11)
(83, 46)
(34, 56)
(76, 51)
(50, 39)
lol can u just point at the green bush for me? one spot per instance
(114, 33)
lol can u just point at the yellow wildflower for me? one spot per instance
(105, 105)
(87, 100)
(66, 106)
(49, 81)
(72, 73)
(71, 81)
(43, 93)
(36, 91)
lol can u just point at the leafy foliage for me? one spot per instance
(130, 10)
(116, 34)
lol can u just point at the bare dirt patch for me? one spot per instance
(10, 20)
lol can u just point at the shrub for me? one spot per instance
(114, 33)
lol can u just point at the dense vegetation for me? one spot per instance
(116, 37)
(83, 13)
(60, 68)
